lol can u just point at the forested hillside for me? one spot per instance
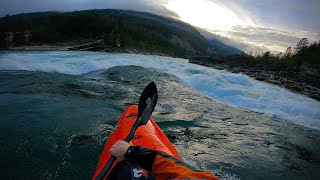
(116, 30)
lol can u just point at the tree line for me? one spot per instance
(293, 58)
(116, 33)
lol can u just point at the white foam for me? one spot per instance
(233, 89)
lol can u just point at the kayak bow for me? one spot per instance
(149, 136)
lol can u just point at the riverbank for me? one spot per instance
(84, 45)
(305, 81)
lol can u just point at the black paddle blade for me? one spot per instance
(147, 102)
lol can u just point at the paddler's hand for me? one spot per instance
(118, 149)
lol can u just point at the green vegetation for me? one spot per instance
(118, 30)
(291, 60)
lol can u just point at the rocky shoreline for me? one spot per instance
(89, 45)
(289, 80)
(292, 81)
(305, 81)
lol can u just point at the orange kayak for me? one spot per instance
(149, 136)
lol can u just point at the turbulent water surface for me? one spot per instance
(57, 114)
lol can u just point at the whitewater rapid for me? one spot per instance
(234, 89)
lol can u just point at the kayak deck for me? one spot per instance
(149, 136)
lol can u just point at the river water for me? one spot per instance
(57, 113)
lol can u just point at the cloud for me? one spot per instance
(208, 14)
(158, 7)
(19, 6)
(261, 39)
(276, 24)
(284, 14)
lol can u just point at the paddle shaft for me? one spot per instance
(147, 103)
(111, 160)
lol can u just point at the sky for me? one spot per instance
(250, 25)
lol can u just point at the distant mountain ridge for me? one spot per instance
(118, 30)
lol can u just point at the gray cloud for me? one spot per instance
(289, 14)
(248, 38)
(19, 6)
(278, 24)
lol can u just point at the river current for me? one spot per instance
(58, 108)
(233, 89)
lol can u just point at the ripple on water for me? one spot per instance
(65, 132)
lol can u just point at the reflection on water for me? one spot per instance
(54, 126)
(233, 89)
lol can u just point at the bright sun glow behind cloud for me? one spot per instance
(206, 14)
